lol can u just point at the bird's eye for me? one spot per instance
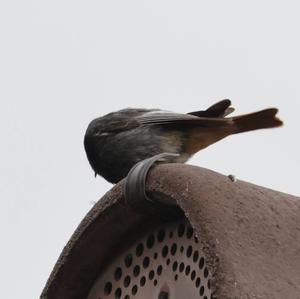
(103, 134)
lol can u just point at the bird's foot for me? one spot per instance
(135, 187)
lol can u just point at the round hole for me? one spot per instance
(165, 251)
(142, 281)
(140, 263)
(205, 272)
(173, 249)
(189, 251)
(118, 274)
(139, 249)
(136, 270)
(107, 288)
(159, 270)
(118, 293)
(150, 241)
(189, 232)
(127, 281)
(134, 289)
(151, 274)
(187, 270)
(180, 230)
(201, 263)
(196, 256)
(208, 284)
(128, 260)
(201, 292)
(175, 265)
(163, 295)
(161, 235)
(193, 275)
(181, 267)
(146, 262)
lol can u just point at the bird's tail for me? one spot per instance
(257, 120)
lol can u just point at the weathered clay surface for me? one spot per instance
(253, 231)
(250, 234)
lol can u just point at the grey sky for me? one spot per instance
(63, 63)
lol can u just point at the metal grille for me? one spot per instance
(166, 264)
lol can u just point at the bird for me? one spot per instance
(117, 141)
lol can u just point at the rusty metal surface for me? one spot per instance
(250, 235)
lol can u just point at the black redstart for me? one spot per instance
(115, 142)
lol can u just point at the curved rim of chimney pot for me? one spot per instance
(241, 228)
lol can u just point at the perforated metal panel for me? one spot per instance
(166, 264)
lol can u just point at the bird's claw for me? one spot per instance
(232, 177)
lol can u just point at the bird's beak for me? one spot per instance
(95, 173)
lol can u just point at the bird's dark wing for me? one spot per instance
(128, 119)
(162, 117)
(120, 125)
(219, 109)
(119, 121)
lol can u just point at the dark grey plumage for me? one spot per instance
(115, 142)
